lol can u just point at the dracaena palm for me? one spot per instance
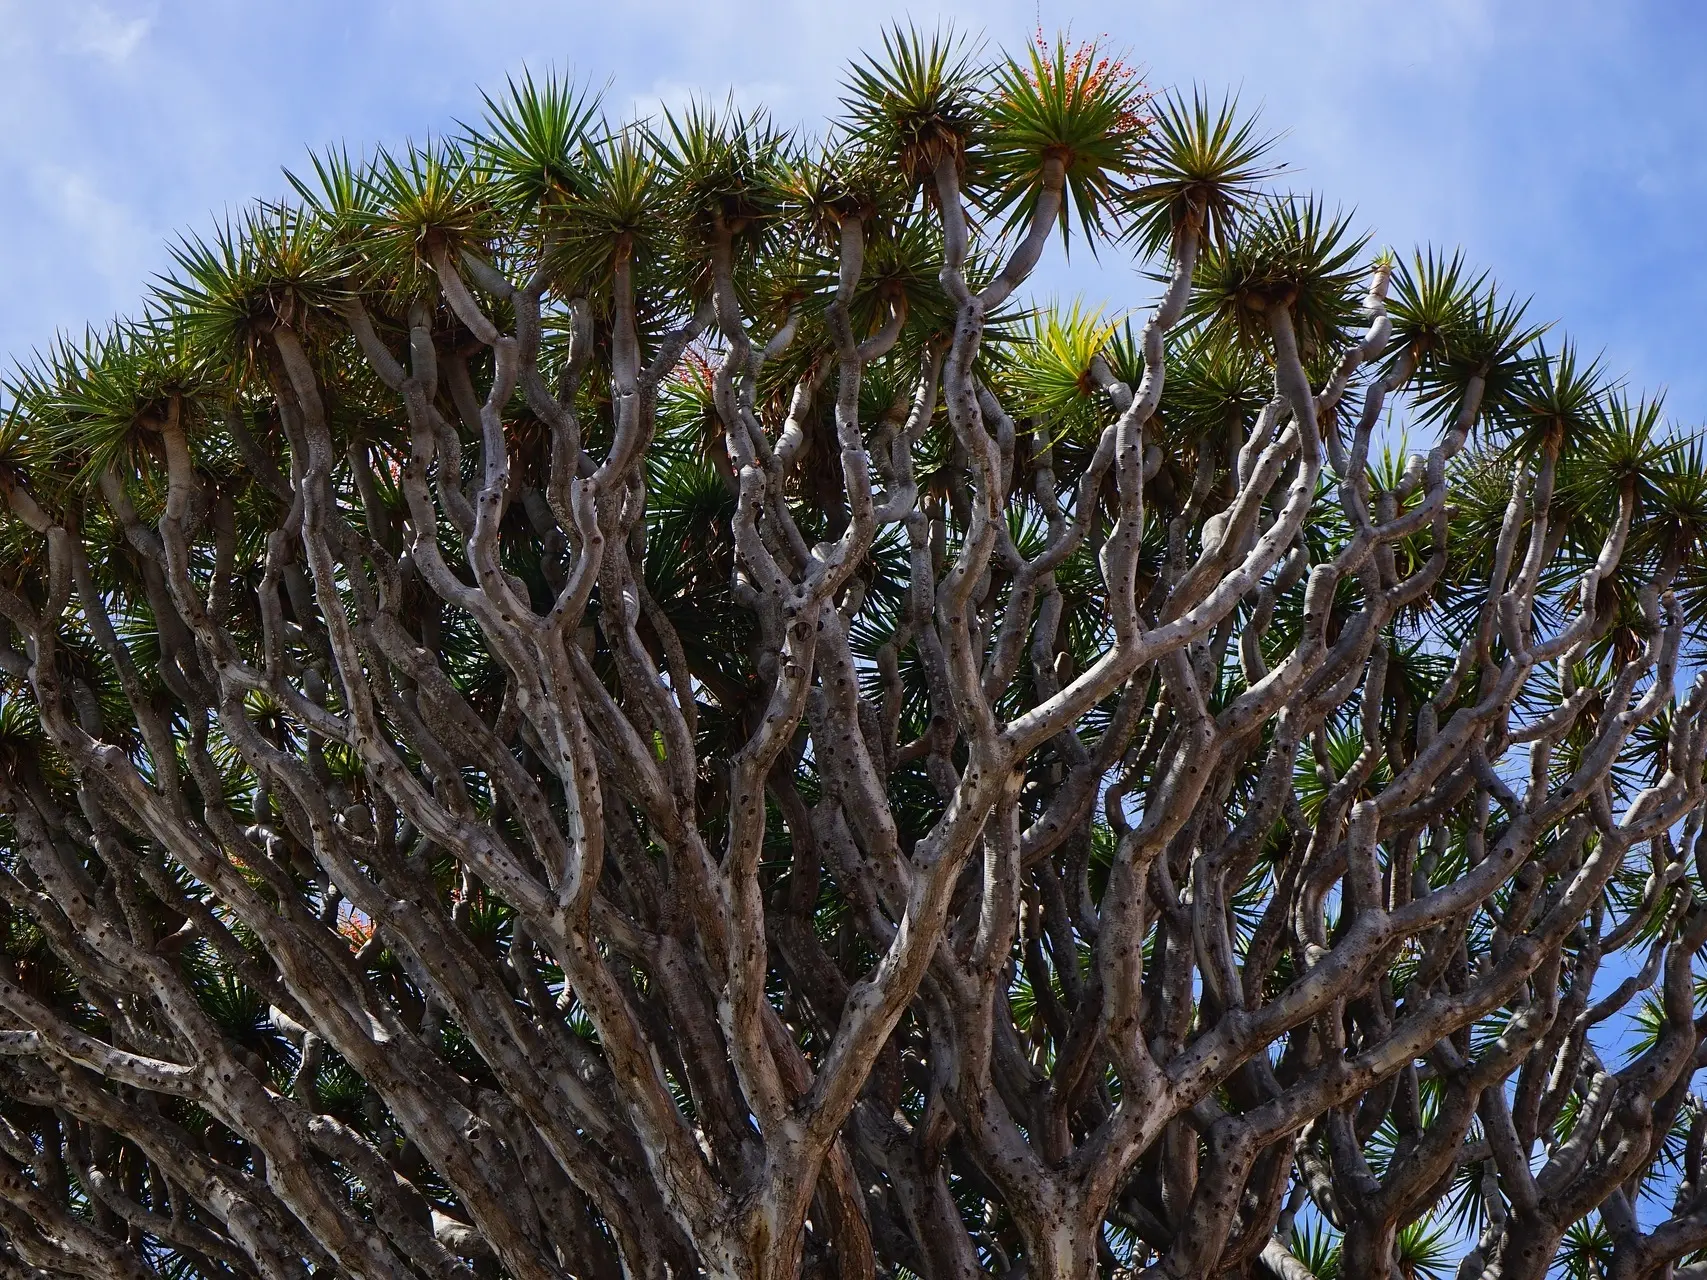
(1219, 383)
(1053, 375)
(1202, 167)
(618, 212)
(1479, 346)
(1556, 403)
(1290, 254)
(1081, 108)
(609, 698)
(918, 104)
(723, 169)
(272, 264)
(1431, 303)
(531, 141)
(1624, 453)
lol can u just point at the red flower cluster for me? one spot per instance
(354, 927)
(1093, 73)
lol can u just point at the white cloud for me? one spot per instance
(109, 238)
(676, 96)
(98, 30)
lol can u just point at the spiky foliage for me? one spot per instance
(581, 700)
(1559, 397)
(1053, 375)
(1201, 166)
(1291, 254)
(1081, 107)
(618, 214)
(918, 104)
(531, 141)
(1470, 346)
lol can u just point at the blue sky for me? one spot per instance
(1560, 143)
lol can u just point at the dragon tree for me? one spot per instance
(624, 700)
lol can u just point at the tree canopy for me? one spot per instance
(597, 698)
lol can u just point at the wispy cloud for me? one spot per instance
(675, 96)
(110, 237)
(109, 36)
